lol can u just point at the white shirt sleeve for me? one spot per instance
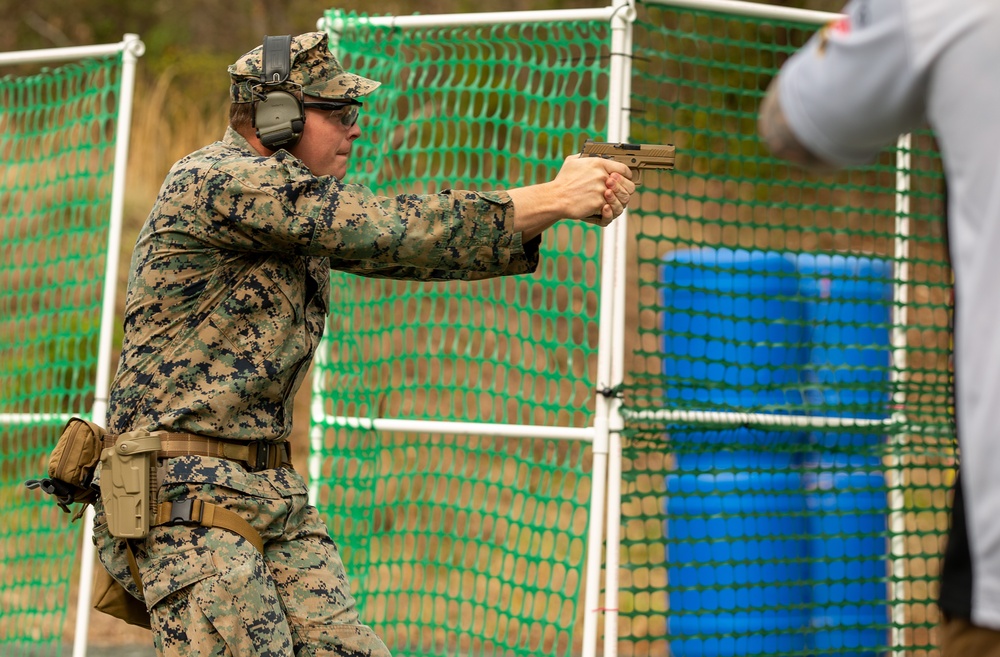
(855, 86)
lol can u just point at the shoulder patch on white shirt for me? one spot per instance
(840, 26)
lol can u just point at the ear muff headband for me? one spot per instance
(278, 114)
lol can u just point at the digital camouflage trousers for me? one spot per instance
(211, 593)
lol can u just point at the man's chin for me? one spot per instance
(340, 168)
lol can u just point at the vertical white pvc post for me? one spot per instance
(599, 469)
(605, 482)
(132, 48)
(900, 298)
(618, 130)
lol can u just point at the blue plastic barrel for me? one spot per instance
(733, 340)
(847, 305)
(735, 564)
(848, 560)
(736, 525)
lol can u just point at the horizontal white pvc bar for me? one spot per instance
(587, 434)
(462, 428)
(486, 18)
(60, 54)
(760, 419)
(34, 418)
(537, 431)
(756, 10)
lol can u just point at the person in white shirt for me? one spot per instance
(886, 68)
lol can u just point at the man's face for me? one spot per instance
(326, 142)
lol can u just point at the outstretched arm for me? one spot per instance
(583, 188)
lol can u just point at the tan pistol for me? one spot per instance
(637, 157)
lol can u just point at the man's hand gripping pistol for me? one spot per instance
(637, 157)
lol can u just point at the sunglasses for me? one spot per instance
(348, 118)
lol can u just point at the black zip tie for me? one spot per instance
(609, 393)
(636, 58)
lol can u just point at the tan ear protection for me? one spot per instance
(278, 115)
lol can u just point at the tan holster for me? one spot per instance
(132, 491)
(129, 490)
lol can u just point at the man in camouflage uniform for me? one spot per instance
(227, 300)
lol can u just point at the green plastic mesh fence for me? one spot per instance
(790, 439)
(465, 544)
(57, 130)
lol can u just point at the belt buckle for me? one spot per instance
(181, 511)
(261, 455)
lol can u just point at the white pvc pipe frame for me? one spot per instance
(131, 48)
(608, 420)
(605, 434)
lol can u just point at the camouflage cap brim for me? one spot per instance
(345, 85)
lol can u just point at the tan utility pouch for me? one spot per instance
(72, 464)
(71, 471)
(112, 598)
(128, 474)
(76, 453)
(128, 480)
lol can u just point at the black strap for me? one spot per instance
(955, 593)
(276, 59)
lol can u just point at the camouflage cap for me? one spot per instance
(314, 68)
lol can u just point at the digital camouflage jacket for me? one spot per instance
(228, 289)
